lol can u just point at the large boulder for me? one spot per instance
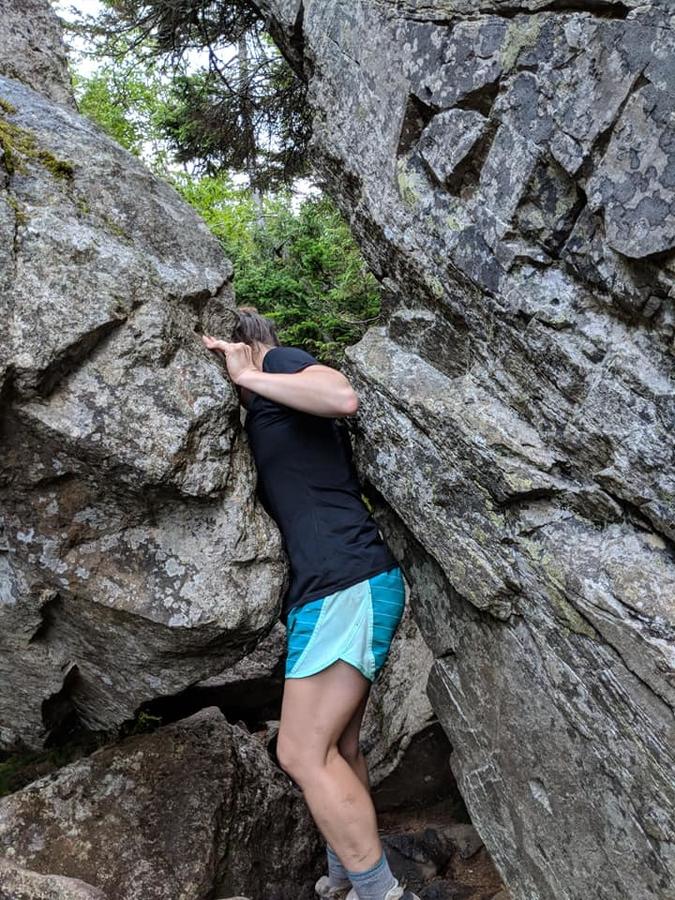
(32, 48)
(134, 558)
(398, 708)
(17, 883)
(508, 171)
(194, 810)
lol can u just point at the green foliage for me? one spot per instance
(301, 267)
(128, 99)
(142, 723)
(261, 130)
(229, 100)
(296, 262)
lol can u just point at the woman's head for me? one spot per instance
(251, 328)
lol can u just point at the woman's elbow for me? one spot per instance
(350, 403)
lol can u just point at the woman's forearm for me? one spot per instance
(321, 393)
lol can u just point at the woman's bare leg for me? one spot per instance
(349, 746)
(315, 712)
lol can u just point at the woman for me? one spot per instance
(344, 601)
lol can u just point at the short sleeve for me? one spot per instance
(288, 360)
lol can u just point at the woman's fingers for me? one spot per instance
(210, 342)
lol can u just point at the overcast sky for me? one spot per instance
(86, 6)
(68, 9)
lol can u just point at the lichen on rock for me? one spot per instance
(135, 558)
(513, 191)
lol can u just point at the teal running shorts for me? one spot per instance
(356, 624)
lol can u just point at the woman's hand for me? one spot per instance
(238, 356)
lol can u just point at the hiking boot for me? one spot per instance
(323, 888)
(398, 892)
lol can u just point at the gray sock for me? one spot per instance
(374, 883)
(337, 874)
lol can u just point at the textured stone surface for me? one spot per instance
(194, 810)
(32, 50)
(398, 708)
(17, 883)
(517, 399)
(134, 558)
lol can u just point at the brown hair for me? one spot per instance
(251, 327)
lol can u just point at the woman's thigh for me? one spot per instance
(316, 710)
(348, 742)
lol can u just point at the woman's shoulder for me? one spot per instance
(287, 359)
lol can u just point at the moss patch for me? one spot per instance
(408, 184)
(19, 145)
(19, 213)
(82, 206)
(115, 228)
(435, 286)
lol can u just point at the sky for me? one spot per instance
(69, 9)
(66, 9)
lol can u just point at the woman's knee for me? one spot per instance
(297, 760)
(349, 748)
(287, 755)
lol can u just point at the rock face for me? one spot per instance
(508, 169)
(196, 809)
(17, 883)
(134, 559)
(398, 708)
(32, 50)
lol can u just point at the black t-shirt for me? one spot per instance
(308, 484)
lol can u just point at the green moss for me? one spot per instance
(59, 168)
(19, 213)
(453, 223)
(19, 145)
(82, 205)
(567, 615)
(143, 723)
(6, 106)
(554, 580)
(115, 228)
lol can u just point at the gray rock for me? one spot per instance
(262, 664)
(449, 138)
(17, 883)
(32, 49)
(516, 408)
(398, 708)
(134, 557)
(195, 809)
(464, 838)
